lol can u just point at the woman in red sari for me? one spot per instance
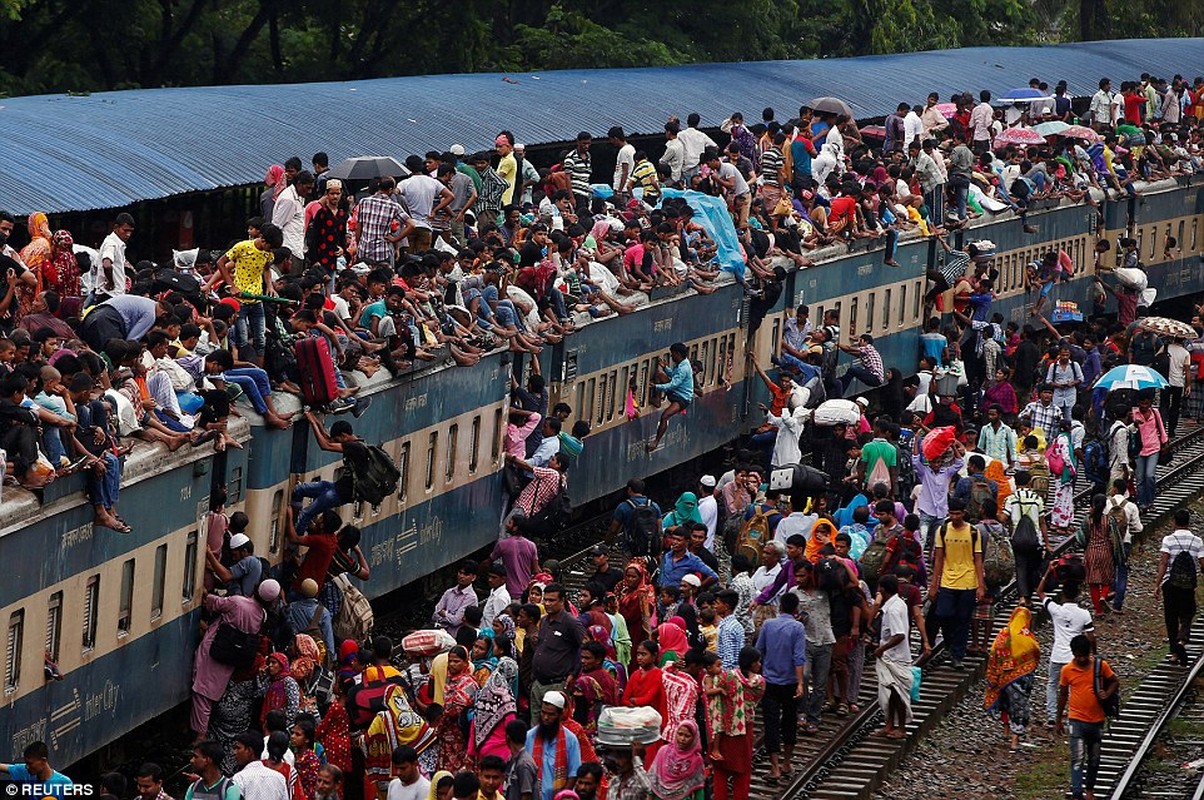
(637, 602)
(334, 731)
(62, 275)
(458, 697)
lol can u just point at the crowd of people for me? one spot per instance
(740, 600)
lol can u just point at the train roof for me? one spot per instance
(111, 149)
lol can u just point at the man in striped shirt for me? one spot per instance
(578, 164)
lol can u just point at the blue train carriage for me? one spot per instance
(1170, 209)
(443, 427)
(116, 613)
(593, 369)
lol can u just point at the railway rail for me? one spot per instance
(844, 761)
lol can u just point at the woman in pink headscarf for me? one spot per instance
(678, 771)
(35, 256)
(279, 690)
(276, 183)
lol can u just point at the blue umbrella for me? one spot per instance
(1131, 376)
(1023, 95)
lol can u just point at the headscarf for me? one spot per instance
(275, 178)
(677, 773)
(349, 651)
(671, 638)
(483, 667)
(438, 776)
(64, 278)
(1014, 654)
(37, 252)
(567, 794)
(995, 472)
(822, 533)
(507, 634)
(307, 658)
(600, 231)
(276, 694)
(685, 511)
(495, 701)
(602, 636)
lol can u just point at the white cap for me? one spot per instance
(707, 480)
(861, 401)
(693, 580)
(269, 590)
(520, 146)
(555, 699)
(239, 540)
(456, 149)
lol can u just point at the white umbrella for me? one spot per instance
(1131, 376)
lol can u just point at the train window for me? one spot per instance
(713, 375)
(1153, 241)
(621, 388)
(1140, 240)
(603, 383)
(645, 368)
(837, 310)
(1182, 224)
(453, 436)
(125, 609)
(499, 430)
(1195, 229)
(902, 305)
(615, 393)
(403, 466)
(871, 305)
(776, 336)
(54, 625)
(160, 581)
(475, 444)
(274, 531)
(432, 444)
(852, 326)
(917, 296)
(731, 358)
(190, 557)
(1166, 239)
(12, 655)
(91, 611)
(579, 402)
(234, 487)
(587, 405)
(886, 310)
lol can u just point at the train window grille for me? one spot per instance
(157, 591)
(12, 653)
(886, 310)
(1140, 240)
(432, 444)
(587, 407)
(403, 466)
(1182, 227)
(274, 530)
(1195, 229)
(475, 445)
(1167, 238)
(902, 305)
(1153, 241)
(777, 336)
(54, 625)
(614, 394)
(871, 306)
(453, 439)
(600, 406)
(91, 612)
(731, 353)
(712, 373)
(838, 311)
(621, 389)
(917, 297)
(579, 405)
(191, 553)
(499, 430)
(853, 308)
(126, 607)
(234, 487)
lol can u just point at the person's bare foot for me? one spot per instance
(174, 443)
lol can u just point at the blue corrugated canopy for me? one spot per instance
(107, 150)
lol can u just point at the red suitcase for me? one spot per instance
(318, 384)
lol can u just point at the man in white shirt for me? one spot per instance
(1172, 396)
(735, 187)
(792, 523)
(981, 119)
(108, 274)
(708, 508)
(499, 597)
(1128, 517)
(1176, 582)
(289, 216)
(624, 161)
(408, 782)
(254, 779)
(893, 658)
(1119, 466)
(425, 197)
(694, 143)
(913, 126)
(675, 152)
(1069, 620)
(1102, 106)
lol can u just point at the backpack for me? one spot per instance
(873, 559)
(831, 575)
(555, 512)
(906, 471)
(1095, 462)
(641, 527)
(753, 534)
(1053, 457)
(234, 647)
(980, 494)
(1025, 536)
(1110, 705)
(1182, 574)
(998, 561)
(817, 392)
(376, 479)
(355, 618)
(1039, 476)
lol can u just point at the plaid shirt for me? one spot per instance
(1044, 417)
(871, 359)
(374, 216)
(539, 491)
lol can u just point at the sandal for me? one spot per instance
(842, 710)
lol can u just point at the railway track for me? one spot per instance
(844, 760)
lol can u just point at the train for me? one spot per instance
(118, 613)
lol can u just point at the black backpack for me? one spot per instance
(377, 478)
(234, 647)
(1182, 574)
(1111, 704)
(641, 527)
(1026, 538)
(832, 576)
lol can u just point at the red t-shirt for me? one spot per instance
(1133, 106)
(844, 208)
(317, 559)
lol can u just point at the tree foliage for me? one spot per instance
(91, 45)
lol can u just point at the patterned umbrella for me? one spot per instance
(1080, 132)
(1131, 376)
(946, 110)
(1165, 326)
(1019, 135)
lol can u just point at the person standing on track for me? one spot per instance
(1181, 558)
(1069, 622)
(957, 582)
(1077, 691)
(893, 659)
(782, 643)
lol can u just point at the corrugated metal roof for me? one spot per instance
(68, 153)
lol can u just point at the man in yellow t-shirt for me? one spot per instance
(957, 582)
(507, 165)
(247, 267)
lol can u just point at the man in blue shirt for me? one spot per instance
(679, 561)
(679, 390)
(550, 744)
(782, 643)
(36, 768)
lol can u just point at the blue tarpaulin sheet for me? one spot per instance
(712, 214)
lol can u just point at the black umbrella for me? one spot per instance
(832, 105)
(364, 168)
